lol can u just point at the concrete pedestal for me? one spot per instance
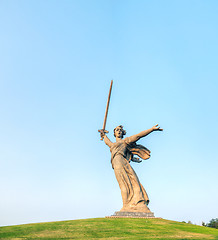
(132, 215)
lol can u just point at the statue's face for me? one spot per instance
(118, 132)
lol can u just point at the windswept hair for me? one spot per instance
(123, 131)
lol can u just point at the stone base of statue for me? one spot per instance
(122, 214)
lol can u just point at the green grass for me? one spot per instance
(109, 228)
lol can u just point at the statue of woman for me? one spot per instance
(135, 198)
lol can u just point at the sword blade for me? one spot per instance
(106, 111)
(107, 107)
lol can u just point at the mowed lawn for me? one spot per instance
(109, 228)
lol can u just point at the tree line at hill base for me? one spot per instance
(213, 223)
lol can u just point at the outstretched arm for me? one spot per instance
(136, 137)
(106, 140)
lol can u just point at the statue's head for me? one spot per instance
(119, 131)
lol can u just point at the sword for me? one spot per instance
(106, 112)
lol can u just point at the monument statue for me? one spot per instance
(134, 196)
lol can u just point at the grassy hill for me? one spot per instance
(109, 228)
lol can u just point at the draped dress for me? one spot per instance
(134, 196)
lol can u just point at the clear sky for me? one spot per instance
(56, 62)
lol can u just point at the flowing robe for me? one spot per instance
(134, 196)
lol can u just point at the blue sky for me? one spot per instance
(56, 62)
